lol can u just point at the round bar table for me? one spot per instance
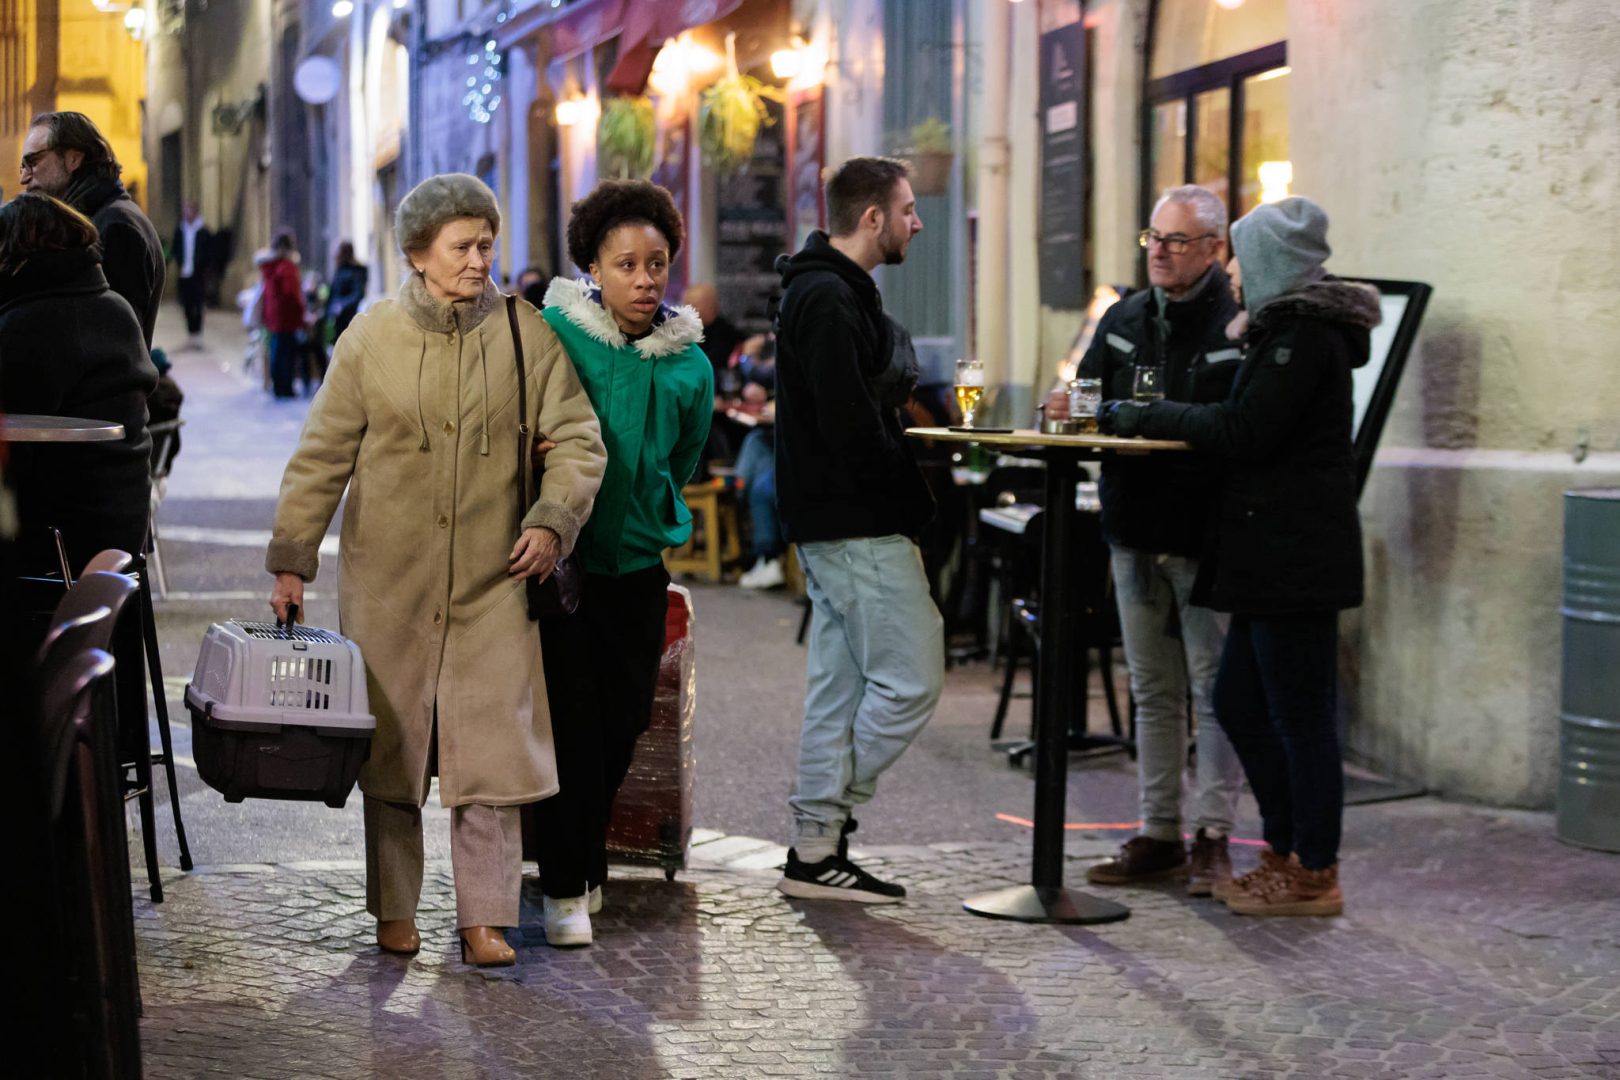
(20, 427)
(1044, 899)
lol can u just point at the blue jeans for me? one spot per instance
(1165, 667)
(876, 670)
(1275, 698)
(756, 468)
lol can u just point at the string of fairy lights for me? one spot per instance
(483, 94)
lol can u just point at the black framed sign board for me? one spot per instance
(1063, 160)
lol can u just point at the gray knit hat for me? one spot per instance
(1280, 248)
(439, 200)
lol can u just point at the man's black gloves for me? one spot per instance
(1120, 418)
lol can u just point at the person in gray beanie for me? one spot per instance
(419, 418)
(1285, 558)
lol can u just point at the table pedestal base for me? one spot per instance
(1045, 904)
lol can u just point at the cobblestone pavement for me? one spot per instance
(1473, 946)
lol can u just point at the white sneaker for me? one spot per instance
(596, 899)
(766, 574)
(568, 921)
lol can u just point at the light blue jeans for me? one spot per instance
(1151, 588)
(876, 670)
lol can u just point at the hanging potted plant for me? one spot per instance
(731, 114)
(931, 157)
(625, 137)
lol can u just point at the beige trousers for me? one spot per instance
(486, 856)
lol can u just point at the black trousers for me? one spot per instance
(601, 674)
(1275, 698)
(191, 299)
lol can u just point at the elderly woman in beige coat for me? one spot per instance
(418, 419)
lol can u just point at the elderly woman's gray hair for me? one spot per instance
(1208, 207)
(439, 200)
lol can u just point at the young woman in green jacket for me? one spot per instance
(653, 391)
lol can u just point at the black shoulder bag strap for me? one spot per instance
(523, 408)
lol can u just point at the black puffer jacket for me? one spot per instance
(71, 347)
(1161, 503)
(844, 467)
(1287, 536)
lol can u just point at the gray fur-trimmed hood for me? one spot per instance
(1351, 302)
(674, 328)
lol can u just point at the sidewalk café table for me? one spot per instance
(21, 427)
(1044, 899)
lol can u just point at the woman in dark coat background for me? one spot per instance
(349, 279)
(1285, 558)
(69, 346)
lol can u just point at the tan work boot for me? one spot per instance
(399, 936)
(1271, 864)
(1295, 891)
(485, 946)
(1210, 864)
(1142, 859)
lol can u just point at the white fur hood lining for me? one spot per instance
(681, 326)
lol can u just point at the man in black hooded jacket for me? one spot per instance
(851, 496)
(66, 156)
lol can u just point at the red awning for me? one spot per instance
(647, 25)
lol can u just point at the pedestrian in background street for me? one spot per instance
(851, 496)
(349, 280)
(1156, 510)
(420, 407)
(193, 252)
(284, 311)
(652, 388)
(532, 284)
(66, 156)
(1286, 551)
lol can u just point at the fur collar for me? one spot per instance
(673, 328)
(443, 316)
(1336, 301)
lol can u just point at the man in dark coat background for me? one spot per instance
(66, 156)
(192, 252)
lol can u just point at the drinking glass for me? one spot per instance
(1149, 384)
(969, 388)
(1085, 398)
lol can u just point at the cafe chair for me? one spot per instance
(87, 867)
(165, 435)
(715, 542)
(990, 556)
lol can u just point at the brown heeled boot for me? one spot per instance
(399, 936)
(485, 946)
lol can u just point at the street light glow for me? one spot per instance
(567, 113)
(342, 9)
(785, 63)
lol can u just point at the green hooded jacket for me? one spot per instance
(654, 398)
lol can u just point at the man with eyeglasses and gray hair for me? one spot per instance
(1155, 510)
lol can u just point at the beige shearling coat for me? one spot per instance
(418, 419)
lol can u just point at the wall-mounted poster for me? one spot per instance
(807, 155)
(1063, 159)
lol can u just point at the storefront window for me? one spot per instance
(1267, 169)
(1192, 33)
(1220, 83)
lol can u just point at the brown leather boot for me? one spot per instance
(1141, 859)
(399, 936)
(1210, 864)
(485, 946)
(1271, 864)
(1295, 891)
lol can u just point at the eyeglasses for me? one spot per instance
(1175, 243)
(30, 160)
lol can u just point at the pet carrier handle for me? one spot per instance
(292, 617)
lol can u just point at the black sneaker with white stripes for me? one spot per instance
(835, 878)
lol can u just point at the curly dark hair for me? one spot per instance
(620, 202)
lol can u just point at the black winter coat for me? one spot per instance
(1162, 503)
(844, 467)
(1287, 537)
(131, 254)
(69, 346)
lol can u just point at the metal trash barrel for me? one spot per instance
(1589, 712)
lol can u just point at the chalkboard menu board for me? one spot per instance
(1063, 160)
(752, 221)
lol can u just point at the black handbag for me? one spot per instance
(558, 594)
